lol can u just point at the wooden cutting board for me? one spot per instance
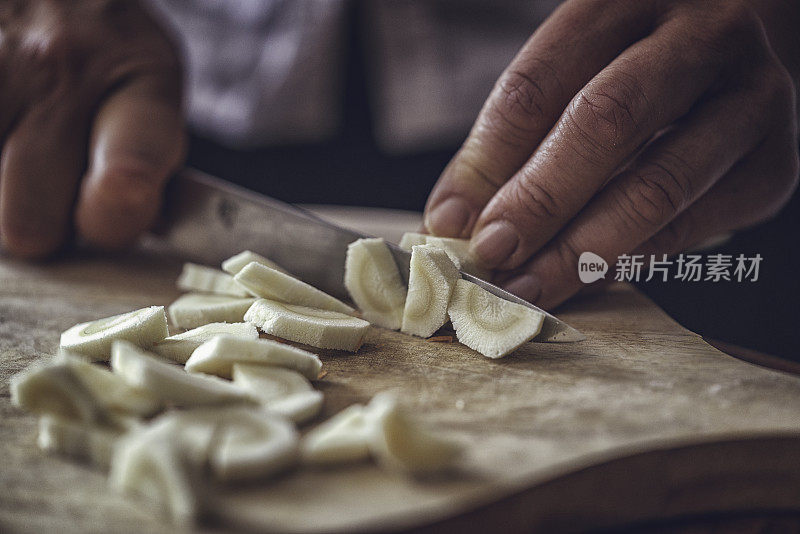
(641, 421)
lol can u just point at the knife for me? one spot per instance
(208, 220)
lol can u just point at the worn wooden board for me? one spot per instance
(642, 420)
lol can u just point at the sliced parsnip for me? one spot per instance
(410, 239)
(318, 328)
(457, 249)
(197, 309)
(236, 263)
(383, 430)
(253, 444)
(282, 391)
(430, 284)
(373, 280)
(142, 327)
(272, 284)
(343, 438)
(73, 389)
(204, 279)
(217, 356)
(179, 347)
(236, 442)
(54, 389)
(488, 324)
(85, 442)
(154, 463)
(400, 443)
(110, 391)
(171, 383)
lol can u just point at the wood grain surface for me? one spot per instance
(642, 421)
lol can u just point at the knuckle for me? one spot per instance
(733, 31)
(605, 115)
(469, 163)
(518, 105)
(673, 237)
(780, 90)
(657, 191)
(537, 202)
(784, 177)
(567, 259)
(55, 57)
(90, 48)
(737, 20)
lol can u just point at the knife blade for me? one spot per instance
(208, 220)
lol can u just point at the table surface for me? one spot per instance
(641, 421)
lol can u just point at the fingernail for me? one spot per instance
(495, 243)
(449, 218)
(525, 286)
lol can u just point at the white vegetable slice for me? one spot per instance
(488, 324)
(238, 262)
(341, 439)
(179, 347)
(54, 389)
(142, 327)
(410, 239)
(282, 391)
(430, 284)
(204, 279)
(89, 443)
(110, 391)
(373, 280)
(154, 463)
(74, 389)
(171, 383)
(398, 442)
(458, 251)
(318, 328)
(236, 442)
(272, 284)
(197, 309)
(253, 444)
(218, 355)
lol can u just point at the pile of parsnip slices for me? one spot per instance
(435, 294)
(170, 415)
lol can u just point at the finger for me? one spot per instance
(552, 276)
(42, 162)
(527, 100)
(137, 143)
(606, 122)
(769, 176)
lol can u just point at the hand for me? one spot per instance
(623, 127)
(90, 122)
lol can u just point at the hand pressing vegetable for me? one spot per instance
(626, 127)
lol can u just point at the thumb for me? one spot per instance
(138, 142)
